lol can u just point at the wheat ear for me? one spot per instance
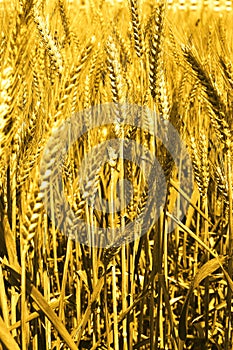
(155, 42)
(137, 30)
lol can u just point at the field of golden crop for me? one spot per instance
(112, 234)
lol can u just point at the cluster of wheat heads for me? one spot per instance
(162, 290)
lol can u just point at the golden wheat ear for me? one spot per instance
(155, 47)
(48, 41)
(136, 24)
(217, 105)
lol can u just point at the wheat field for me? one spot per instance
(116, 222)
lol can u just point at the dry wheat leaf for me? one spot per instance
(15, 278)
(6, 337)
(202, 273)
